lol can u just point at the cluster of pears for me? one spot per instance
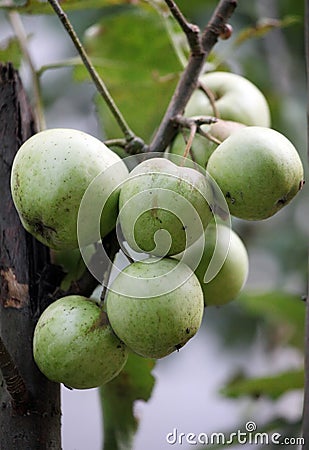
(166, 211)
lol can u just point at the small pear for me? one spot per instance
(258, 170)
(163, 207)
(50, 174)
(231, 263)
(155, 306)
(74, 344)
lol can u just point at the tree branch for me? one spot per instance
(15, 384)
(192, 31)
(22, 260)
(187, 122)
(189, 79)
(217, 24)
(100, 85)
(307, 66)
(305, 430)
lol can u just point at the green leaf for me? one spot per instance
(263, 27)
(280, 309)
(133, 54)
(270, 386)
(135, 382)
(10, 52)
(43, 7)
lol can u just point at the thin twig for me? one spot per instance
(208, 136)
(209, 94)
(192, 134)
(100, 85)
(185, 138)
(21, 35)
(15, 384)
(194, 125)
(189, 79)
(192, 31)
(187, 122)
(67, 63)
(116, 142)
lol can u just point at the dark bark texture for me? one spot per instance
(29, 406)
(305, 445)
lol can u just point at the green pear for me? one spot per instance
(74, 344)
(236, 99)
(155, 306)
(164, 207)
(258, 170)
(50, 174)
(203, 147)
(231, 258)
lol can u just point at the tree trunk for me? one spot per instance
(305, 424)
(23, 292)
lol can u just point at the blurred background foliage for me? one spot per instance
(132, 44)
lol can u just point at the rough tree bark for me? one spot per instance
(23, 263)
(305, 445)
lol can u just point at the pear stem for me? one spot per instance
(211, 98)
(192, 134)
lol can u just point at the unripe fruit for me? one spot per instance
(74, 344)
(230, 254)
(50, 174)
(236, 99)
(157, 196)
(258, 170)
(149, 317)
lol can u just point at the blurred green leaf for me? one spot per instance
(10, 52)
(270, 386)
(135, 382)
(197, 9)
(280, 309)
(132, 52)
(264, 26)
